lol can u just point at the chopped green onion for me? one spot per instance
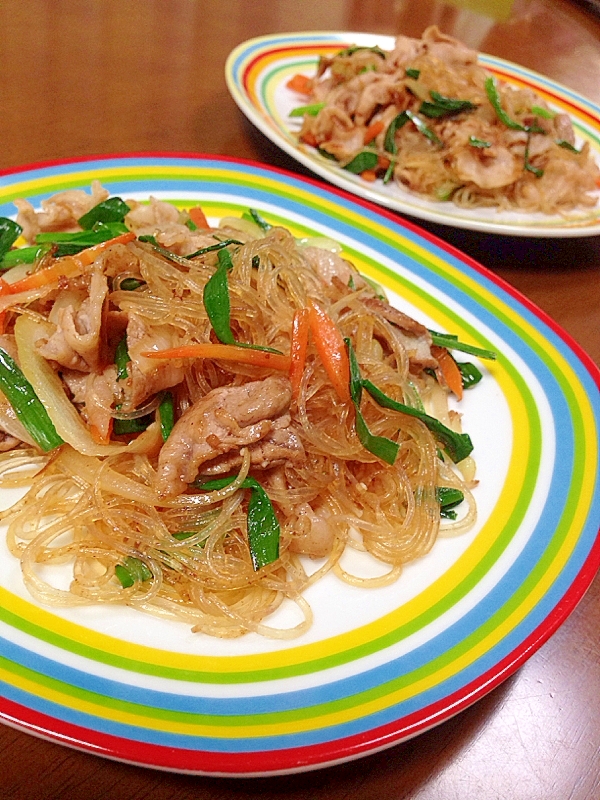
(258, 220)
(543, 112)
(366, 159)
(131, 284)
(311, 110)
(111, 210)
(122, 359)
(445, 190)
(132, 570)
(263, 525)
(68, 244)
(449, 497)
(218, 306)
(471, 375)
(26, 404)
(475, 142)
(422, 128)
(444, 106)
(9, 233)
(491, 89)
(213, 247)
(181, 260)
(527, 164)
(189, 223)
(24, 255)
(457, 445)
(166, 415)
(326, 154)
(380, 446)
(356, 48)
(216, 299)
(451, 342)
(412, 73)
(389, 142)
(399, 121)
(123, 427)
(567, 145)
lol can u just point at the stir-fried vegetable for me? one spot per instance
(457, 445)
(9, 233)
(331, 349)
(27, 406)
(451, 342)
(166, 415)
(263, 525)
(131, 571)
(113, 209)
(298, 348)
(380, 446)
(218, 306)
(225, 352)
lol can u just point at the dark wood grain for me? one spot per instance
(112, 76)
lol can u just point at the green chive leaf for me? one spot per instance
(26, 404)
(111, 210)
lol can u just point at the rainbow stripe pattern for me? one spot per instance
(258, 70)
(398, 661)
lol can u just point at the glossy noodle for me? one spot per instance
(222, 414)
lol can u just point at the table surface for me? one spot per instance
(84, 78)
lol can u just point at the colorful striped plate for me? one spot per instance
(379, 665)
(257, 72)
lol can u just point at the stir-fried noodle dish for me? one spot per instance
(428, 117)
(203, 419)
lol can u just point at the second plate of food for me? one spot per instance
(259, 72)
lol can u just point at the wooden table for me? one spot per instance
(85, 77)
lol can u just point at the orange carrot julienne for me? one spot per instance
(449, 369)
(4, 290)
(372, 131)
(68, 266)
(224, 352)
(198, 217)
(98, 436)
(309, 139)
(298, 348)
(331, 349)
(368, 175)
(301, 84)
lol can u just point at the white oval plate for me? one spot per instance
(257, 72)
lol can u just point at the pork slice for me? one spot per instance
(76, 342)
(226, 419)
(414, 336)
(282, 445)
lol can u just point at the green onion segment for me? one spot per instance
(263, 526)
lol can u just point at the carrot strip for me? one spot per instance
(309, 139)
(449, 369)
(4, 290)
(68, 266)
(372, 131)
(198, 217)
(331, 349)
(98, 436)
(369, 175)
(224, 352)
(298, 348)
(301, 84)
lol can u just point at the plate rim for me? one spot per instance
(550, 623)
